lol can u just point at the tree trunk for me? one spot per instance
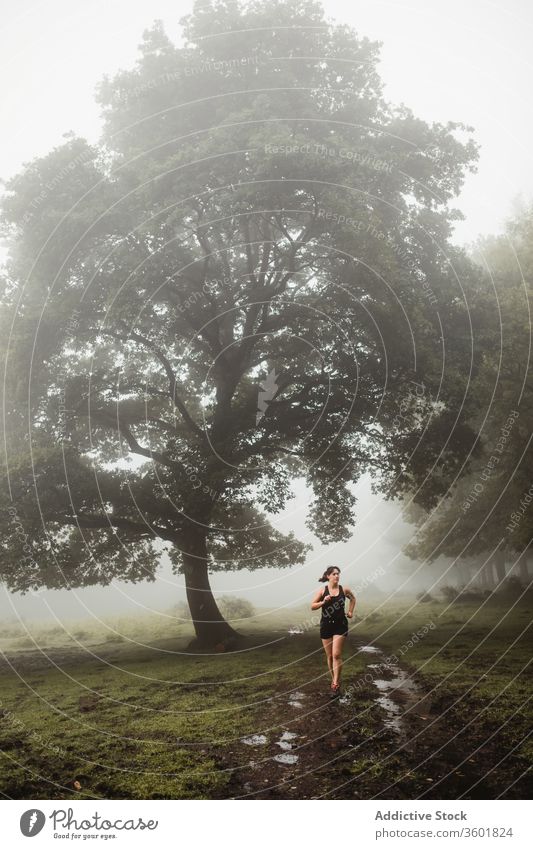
(499, 565)
(488, 574)
(463, 573)
(522, 563)
(481, 574)
(212, 630)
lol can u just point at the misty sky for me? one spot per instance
(446, 60)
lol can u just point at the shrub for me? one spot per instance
(450, 593)
(11, 631)
(181, 611)
(473, 594)
(463, 594)
(111, 637)
(372, 617)
(232, 607)
(24, 643)
(53, 631)
(424, 596)
(512, 588)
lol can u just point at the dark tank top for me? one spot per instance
(334, 611)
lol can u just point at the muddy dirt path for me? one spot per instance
(316, 746)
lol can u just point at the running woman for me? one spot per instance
(334, 621)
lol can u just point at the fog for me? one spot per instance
(372, 564)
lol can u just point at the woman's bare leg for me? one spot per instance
(328, 648)
(338, 643)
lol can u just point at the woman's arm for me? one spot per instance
(317, 602)
(349, 594)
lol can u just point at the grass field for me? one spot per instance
(125, 710)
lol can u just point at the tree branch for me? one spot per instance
(110, 521)
(173, 391)
(248, 248)
(106, 419)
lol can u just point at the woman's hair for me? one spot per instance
(327, 573)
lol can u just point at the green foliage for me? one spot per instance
(488, 506)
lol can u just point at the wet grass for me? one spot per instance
(158, 719)
(140, 717)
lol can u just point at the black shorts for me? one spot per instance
(330, 629)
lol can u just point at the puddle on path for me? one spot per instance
(399, 686)
(400, 682)
(284, 741)
(254, 740)
(286, 758)
(295, 699)
(392, 710)
(397, 690)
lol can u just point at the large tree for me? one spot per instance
(248, 279)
